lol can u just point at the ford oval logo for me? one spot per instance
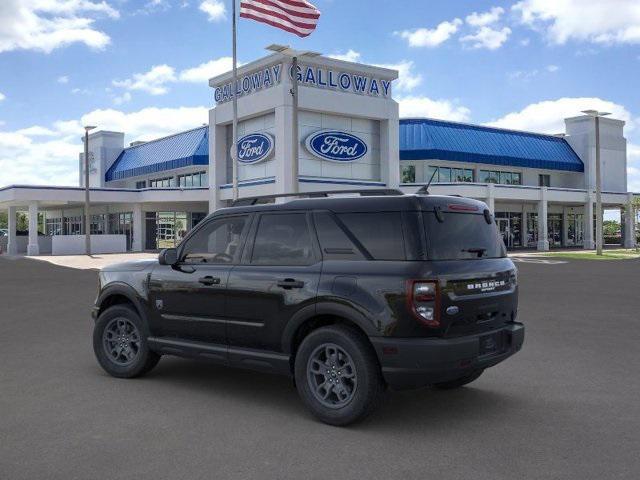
(336, 146)
(255, 147)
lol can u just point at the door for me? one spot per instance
(505, 231)
(188, 299)
(277, 277)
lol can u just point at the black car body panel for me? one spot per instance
(240, 305)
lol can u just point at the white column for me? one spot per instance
(33, 248)
(490, 200)
(283, 154)
(589, 242)
(138, 221)
(390, 151)
(629, 224)
(12, 245)
(218, 150)
(543, 237)
(565, 226)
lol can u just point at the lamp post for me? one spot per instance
(87, 216)
(295, 145)
(596, 114)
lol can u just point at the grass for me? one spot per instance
(617, 254)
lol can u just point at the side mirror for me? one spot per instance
(168, 256)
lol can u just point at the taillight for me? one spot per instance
(423, 299)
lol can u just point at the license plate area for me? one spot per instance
(492, 344)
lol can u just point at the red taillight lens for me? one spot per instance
(424, 302)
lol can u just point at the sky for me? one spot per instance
(142, 66)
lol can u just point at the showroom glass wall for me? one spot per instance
(515, 234)
(167, 229)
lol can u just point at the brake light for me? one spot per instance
(461, 207)
(423, 299)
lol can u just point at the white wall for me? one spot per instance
(74, 244)
(105, 147)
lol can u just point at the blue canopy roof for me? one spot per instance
(427, 139)
(183, 149)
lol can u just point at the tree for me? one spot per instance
(3, 220)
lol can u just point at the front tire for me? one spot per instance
(337, 375)
(120, 343)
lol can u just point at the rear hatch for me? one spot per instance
(477, 283)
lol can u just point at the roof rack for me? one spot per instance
(242, 202)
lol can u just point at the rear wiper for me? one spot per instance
(479, 251)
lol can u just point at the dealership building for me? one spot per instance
(146, 196)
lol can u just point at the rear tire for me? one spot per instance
(120, 343)
(459, 382)
(337, 375)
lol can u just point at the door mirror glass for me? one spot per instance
(168, 256)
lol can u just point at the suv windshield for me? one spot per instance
(461, 236)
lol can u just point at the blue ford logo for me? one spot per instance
(255, 147)
(336, 146)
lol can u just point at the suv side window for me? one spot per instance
(218, 242)
(334, 241)
(283, 239)
(379, 232)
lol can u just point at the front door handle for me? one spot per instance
(289, 283)
(209, 280)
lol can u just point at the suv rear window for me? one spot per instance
(462, 236)
(380, 233)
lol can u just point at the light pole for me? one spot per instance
(295, 145)
(87, 216)
(596, 114)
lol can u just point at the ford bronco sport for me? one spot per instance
(347, 295)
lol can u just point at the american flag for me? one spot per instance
(294, 16)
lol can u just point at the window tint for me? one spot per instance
(379, 233)
(334, 242)
(283, 240)
(216, 242)
(462, 236)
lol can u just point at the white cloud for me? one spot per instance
(45, 25)
(214, 9)
(2, 96)
(424, 37)
(48, 155)
(63, 79)
(420, 106)
(548, 116)
(552, 68)
(595, 21)
(203, 72)
(154, 81)
(487, 37)
(407, 78)
(349, 56)
(486, 18)
(525, 42)
(120, 99)
(526, 75)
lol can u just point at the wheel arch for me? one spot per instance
(320, 315)
(119, 294)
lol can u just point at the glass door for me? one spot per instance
(554, 229)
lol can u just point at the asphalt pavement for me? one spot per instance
(566, 407)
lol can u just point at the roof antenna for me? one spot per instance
(424, 190)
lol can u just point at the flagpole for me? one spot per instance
(234, 146)
(294, 127)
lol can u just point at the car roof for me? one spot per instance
(383, 203)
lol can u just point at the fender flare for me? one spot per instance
(125, 290)
(325, 308)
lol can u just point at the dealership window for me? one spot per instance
(142, 184)
(73, 225)
(447, 174)
(98, 224)
(544, 180)
(190, 180)
(503, 178)
(162, 182)
(408, 174)
(122, 224)
(53, 226)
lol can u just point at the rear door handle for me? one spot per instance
(289, 283)
(209, 280)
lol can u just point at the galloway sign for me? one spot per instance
(248, 84)
(328, 78)
(336, 146)
(255, 147)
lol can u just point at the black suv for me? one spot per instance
(346, 295)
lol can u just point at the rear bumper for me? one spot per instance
(417, 362)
